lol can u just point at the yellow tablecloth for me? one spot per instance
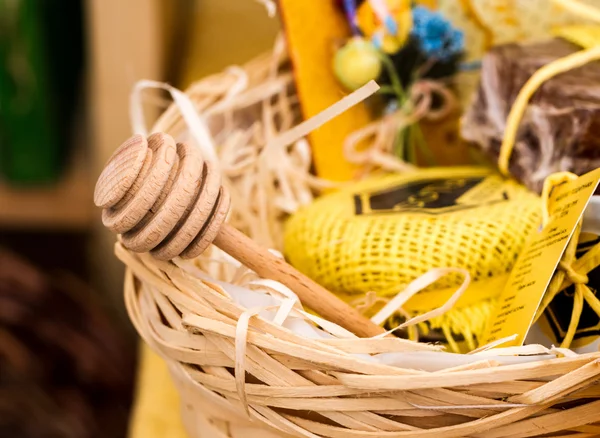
(156, 410)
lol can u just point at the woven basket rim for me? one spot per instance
(324, 376)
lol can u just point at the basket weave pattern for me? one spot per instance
(301, 387)
(242, 376)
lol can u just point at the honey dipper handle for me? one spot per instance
(312, 295)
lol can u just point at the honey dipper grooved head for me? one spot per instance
(162, 197)
(120, 172)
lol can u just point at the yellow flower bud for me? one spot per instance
(357, 63)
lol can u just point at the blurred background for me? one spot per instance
(68, 354)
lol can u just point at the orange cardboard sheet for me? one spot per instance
(313, 28)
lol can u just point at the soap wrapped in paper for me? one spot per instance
(560, 130)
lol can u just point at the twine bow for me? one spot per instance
(567, 273)
(383, 131)
(573, 272)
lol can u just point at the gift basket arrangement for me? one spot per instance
(368, 232)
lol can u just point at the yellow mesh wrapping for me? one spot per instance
(480, 226)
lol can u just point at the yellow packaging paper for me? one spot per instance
(537, 262)
(586, 36)
(552, 327)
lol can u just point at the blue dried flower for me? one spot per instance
(435, 34)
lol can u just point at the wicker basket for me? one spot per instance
(243, 376)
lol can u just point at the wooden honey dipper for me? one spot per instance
(162, 197)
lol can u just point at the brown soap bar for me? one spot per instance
(560, 130)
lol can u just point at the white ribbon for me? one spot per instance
(196, 123)
(415, 287)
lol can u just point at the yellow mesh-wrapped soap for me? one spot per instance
(382, 233)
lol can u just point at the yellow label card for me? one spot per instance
(537, 262)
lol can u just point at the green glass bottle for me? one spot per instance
(40, 64)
